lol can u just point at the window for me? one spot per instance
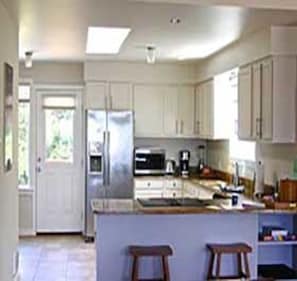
(238, 149)
(59, 118)
(24, 136)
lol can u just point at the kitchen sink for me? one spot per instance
(173, 202)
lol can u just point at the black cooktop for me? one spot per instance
(173, 202)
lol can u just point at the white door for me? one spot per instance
(148, 106)
(59, 185)
(256, 100)
(267, 99)
(245, 103)
(120, 96)
(96, 95)
(171, 121)
(186, 107)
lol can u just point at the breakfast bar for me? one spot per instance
(121, 223)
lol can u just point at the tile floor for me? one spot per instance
(57, 258)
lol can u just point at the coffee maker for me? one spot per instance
(184, 163)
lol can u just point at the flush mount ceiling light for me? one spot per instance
(106, 40)
(28, 59)
(151, 54)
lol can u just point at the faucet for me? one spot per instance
(236, 174)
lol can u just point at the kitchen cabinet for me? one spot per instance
(113, 95)
(179, 111)
(95, 96)
(148, 107)
(120, 96)
(267, 100)
(245, 102)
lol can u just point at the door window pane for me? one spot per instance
(24, 136)
(59, 134)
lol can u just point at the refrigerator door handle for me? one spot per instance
(104, 159)
(108, 159)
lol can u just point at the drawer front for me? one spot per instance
(148, 193)
(173, 184)
(154, 184)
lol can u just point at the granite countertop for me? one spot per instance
(133, 207)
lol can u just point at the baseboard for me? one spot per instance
(27, 232)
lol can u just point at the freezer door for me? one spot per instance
(120, 142)
(96, 122)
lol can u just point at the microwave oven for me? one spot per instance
(149, 161)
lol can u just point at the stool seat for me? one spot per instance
(161, 251)
(229, 248)
(151, 251)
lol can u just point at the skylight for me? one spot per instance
(106, 40)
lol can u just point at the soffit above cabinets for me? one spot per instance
(57, 29)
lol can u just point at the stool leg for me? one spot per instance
(239, 265)
(218, 269)
(166, 274)
(135, 269)
(246, 264)
(210, 266)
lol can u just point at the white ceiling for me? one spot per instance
(57, 29)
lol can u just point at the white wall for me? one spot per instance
(139, 72)
(8, 181)
(250, 48)
(53, 73)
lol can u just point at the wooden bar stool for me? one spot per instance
(217, 250)
(150, 251)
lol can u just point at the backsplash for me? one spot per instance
(173, 146)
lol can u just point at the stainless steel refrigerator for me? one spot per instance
(109, 159)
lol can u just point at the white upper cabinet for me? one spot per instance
(245, 103)
(171, 119)
(148, 107)
(95, 96)
(120, 96)
(186, 110)
(267, 100)
(113, 95)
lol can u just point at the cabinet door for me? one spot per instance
(120, 96)
(209, 109)
(267, 99)
(148, 106)
(197, 110)
(171, 122)
(256, 100)
(245, 103)
(186, 108)
(96, 96)
(202, 111)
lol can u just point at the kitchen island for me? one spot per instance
(187, 230)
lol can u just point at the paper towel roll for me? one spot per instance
(259, 184)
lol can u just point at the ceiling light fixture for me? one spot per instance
(150, 54)
(106, 40)
(28, 59)
(175, 20)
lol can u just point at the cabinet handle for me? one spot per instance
(110, 101)
(197, 127)
(176, 126)
(181, 126)
(105, 102)
(258, 127)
